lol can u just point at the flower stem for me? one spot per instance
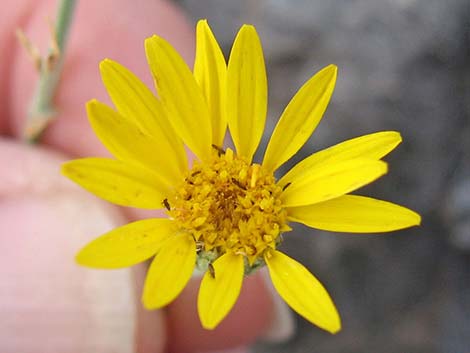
(42, 110)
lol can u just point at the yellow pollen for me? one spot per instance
(228, 205)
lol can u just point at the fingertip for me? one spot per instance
(150, 333)
(249, 319)
(97, 33)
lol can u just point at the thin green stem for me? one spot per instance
(42, 110)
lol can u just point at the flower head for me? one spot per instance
(226, 213)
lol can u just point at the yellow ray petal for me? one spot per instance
(181, 95)
(219, 290)
(127, 245)
(246, 92)
(302, 291)
(140, 106)
(210, 71)
(371, 146)
(355, 214)
(170, 271)
(331, 180)
(129, 143)
(118, 182)
(300, 118)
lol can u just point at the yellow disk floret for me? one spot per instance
(230, 206)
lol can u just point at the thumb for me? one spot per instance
(56, 305)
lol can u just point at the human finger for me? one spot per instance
(71, 132)
(49, 304)
(107, 28)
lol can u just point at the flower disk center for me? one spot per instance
(228, 205)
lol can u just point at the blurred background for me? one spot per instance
(403, 65)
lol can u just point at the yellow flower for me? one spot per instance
(226, 213)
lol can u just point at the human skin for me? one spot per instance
(30, 213)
